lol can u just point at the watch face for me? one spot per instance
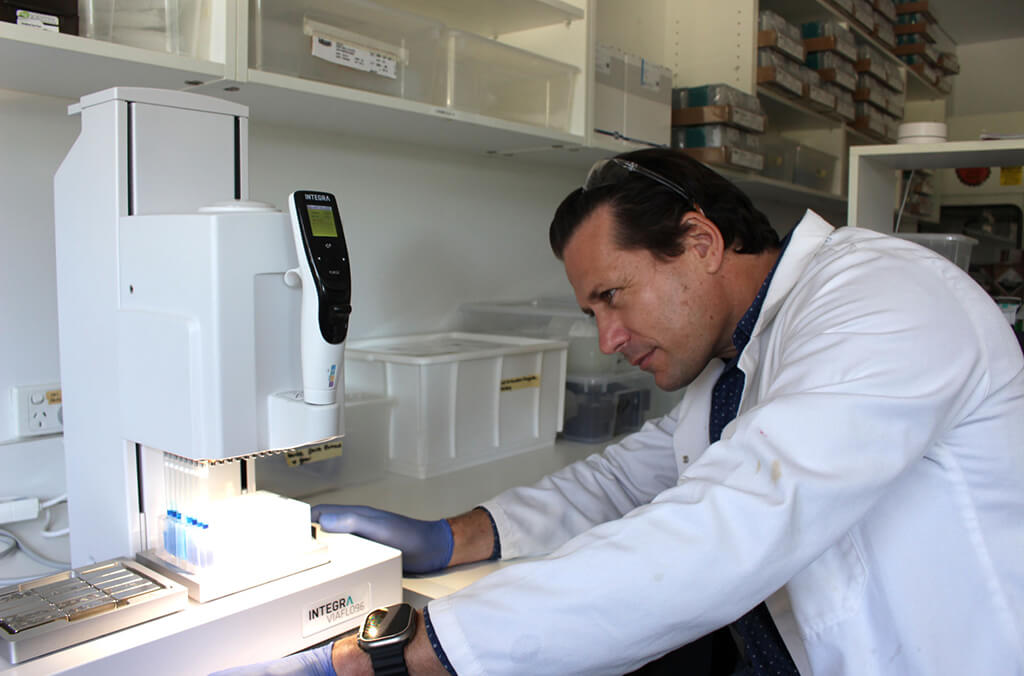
(387, 625)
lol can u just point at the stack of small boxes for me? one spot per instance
(919, 193)
(880, 96)
(832, 52)
(780, 55)
(915, 38)
(718, 124)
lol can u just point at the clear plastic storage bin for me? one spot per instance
(497, 80)
(461, 398)
(598, 408)
(956, 248)
(193, 28)
(364, 455)
(813, 168)
(558, 318)
(353, 43)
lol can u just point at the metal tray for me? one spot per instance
(54, 612)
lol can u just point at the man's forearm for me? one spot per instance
(473, 536)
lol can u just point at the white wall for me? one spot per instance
(991, 78)
(426, 230)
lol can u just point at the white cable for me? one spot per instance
(906, 193)
(38, 558)
(9, 547)
(45, 531)
(55, 501)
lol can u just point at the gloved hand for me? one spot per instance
(315, 662)
(426, 545)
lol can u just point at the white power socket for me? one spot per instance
(38, 410)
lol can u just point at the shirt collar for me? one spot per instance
(741, 336)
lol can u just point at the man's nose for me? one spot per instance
(611, 334)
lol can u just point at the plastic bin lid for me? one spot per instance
(631, 377)
(552, 306)
(936, 237)
(431, 348)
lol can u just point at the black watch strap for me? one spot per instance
(389, 661)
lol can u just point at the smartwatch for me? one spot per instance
(383, 636)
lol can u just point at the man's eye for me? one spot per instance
(609, 295)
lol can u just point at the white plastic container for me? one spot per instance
(353, 43)
(558, 318)
(462, 398)
(364, 454)
(497, 80)
(609, 89)
(648, 102)
(921, 132)
(956, 248)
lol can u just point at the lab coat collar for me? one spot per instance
(807, 237)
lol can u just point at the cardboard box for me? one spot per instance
(780, 79)
(781, 43)
(724, 114)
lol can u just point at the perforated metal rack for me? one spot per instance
(54, 612)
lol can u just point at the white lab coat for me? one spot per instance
(873, 481)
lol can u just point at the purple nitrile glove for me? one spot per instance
(426, 545)
(315, 662)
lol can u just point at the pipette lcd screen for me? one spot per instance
(321, 221)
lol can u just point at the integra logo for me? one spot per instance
(316, 197)
(339, 607)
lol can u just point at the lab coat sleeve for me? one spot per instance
(537, 519)
(858, 381)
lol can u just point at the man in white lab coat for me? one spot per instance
(848, 451)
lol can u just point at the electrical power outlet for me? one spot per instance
(38, 410)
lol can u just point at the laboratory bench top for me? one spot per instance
(431, 498)
(458, 491)
(454, 493)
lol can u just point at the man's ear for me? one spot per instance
(704, 239)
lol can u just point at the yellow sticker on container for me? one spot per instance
(1009, 175)
(522, 382)
(306, 454)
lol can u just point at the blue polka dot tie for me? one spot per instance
(763, 647)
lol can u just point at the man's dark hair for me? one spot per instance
(648, 214)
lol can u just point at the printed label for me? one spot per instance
(522, 382)
(1009, 175)
(301, 456)
(790, 46)
(336, 609)
(743, 158)
(37, 20)
(788, 81)
(745, 118)
(353, 56)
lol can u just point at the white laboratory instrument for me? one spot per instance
(180, 304)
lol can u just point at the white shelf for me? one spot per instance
(69, 66)
(874, 171)
(785, 112)
(291, 101)
(759, 187)
(492, 17)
